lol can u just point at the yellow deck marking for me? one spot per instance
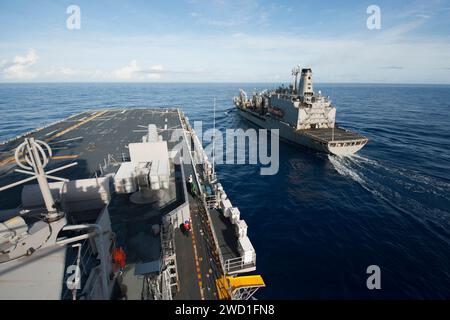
(199, 276)
(69, 156)
(7, 161)
(75, 126)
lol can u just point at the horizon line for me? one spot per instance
(219, 82)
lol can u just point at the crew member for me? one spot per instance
(191, 186)
(187, 226)
(119, 258)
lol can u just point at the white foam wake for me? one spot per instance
(343, 167)
(399, 187)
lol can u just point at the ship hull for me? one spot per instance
(323, 140)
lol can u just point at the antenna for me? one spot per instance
(32, 157)
(295, 73)
(332, 97)
(214, 140)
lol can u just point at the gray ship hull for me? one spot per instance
(336, 141)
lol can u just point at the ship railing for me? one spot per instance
(169, 273)
(211, 201)
(82, 261)
(167, 242)
(236, 265)
(186, 127)
(166, 285)
(93, 287)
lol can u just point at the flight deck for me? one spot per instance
(150, 232)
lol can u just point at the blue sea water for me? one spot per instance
(322, 220)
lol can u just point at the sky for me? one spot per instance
(224, 41)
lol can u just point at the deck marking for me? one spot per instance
(75, 126)
(199, 275)
(51, 132)
(66, 140)
(60, 148)
(69, 156)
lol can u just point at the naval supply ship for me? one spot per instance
(137, 215)
(301, 116)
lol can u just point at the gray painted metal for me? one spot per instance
(92, 138)
(302, 116)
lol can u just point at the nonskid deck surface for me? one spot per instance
(87, 138)
(336, 134)
(93, 137)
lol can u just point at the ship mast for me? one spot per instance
(33, 156)
(214, 140)
(295, 73)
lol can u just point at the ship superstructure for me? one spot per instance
(301, 115)
(112, 228)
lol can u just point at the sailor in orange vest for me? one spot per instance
(119, 258)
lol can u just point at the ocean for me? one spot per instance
(322, 220)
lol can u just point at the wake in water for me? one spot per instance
(403, 189)
(226, 112)
(348, 167)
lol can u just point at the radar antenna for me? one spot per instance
(33, 156)
(295, 72)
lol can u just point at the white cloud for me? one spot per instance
(394, 54)
(68, 71)
(157, 67)
(222, 14)
(133, 71)
(30, 58)
(20, 67)
(127, 72)
(64, 71)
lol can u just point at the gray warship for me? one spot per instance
(122, 223)
(302, 116)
